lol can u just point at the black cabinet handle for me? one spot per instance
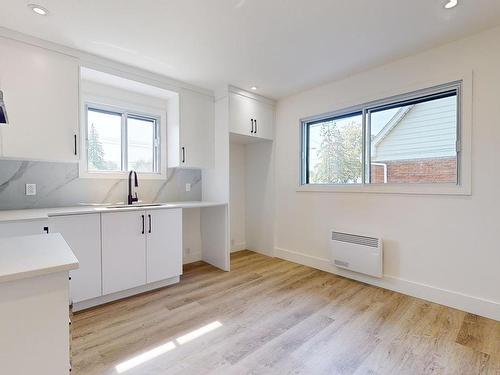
(183, 154)
(46, 230)
(251, 131)
(74, 139)
(142, 224)
(255, 121)
(149, 217)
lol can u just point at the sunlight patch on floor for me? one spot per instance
(144, 357)
(198, 332)
(164, 348)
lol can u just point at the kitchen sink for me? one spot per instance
(135, 205)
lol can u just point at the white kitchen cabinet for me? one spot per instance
(191, 140)
(40, 89)
(241, 114)
(123, 250)
(83, 235)
(264, 127)
(140, 247)
(250, 117)
(164, 244)
(24, 228)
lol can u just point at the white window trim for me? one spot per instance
(464, 186)
(118, 105)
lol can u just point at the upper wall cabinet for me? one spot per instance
(41, 94)
(250, 117)
(191, 135)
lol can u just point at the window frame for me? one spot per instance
(461, 187)
(125, 111)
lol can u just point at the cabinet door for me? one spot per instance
(41, 93)
(123, 250)
(24, 228)
(241, 113)
(164, 244)
(265, 121)
(196, 143)
(83, 235)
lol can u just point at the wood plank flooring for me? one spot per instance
(270, 316)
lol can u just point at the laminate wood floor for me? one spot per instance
(270, 316)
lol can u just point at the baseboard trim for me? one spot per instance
(238, 247)
(191, 258)
(479, 306)
(267, 253)
(82, 305)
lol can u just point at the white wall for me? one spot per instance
(191, 235)
(259, 197)
(252, 196)
(237, 194)
(442, 248)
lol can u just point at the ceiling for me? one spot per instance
(280, 46)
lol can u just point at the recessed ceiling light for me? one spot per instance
(451, 4)
(254, 88)
(38, 9)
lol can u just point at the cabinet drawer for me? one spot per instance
(24, 228)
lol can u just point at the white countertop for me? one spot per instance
(29, 256)
(44, 213)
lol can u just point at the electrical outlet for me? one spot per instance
(30, 189)
(187, 250)
(188, 187)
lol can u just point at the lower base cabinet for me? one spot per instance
(164, 244)
(83, 235)
(34, 330)
(117, 250)
(140, 247)
(123, 250)
(24, 228)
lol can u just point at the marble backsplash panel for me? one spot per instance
(58, 185)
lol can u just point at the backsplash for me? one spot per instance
(58, 185)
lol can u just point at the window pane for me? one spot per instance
(104, 141)
(335, 151)
(141, 133)
(415, 143)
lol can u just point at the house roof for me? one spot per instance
(391, 124)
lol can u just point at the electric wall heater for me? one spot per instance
(357, 253)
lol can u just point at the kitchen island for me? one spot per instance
(34, 296)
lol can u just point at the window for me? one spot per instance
(409, 139)
(335, 150)
(118, 141)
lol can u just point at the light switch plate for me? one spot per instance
(30, 189)
(188, 187)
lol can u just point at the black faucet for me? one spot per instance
(132, 199)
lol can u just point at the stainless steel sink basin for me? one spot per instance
(134, 205)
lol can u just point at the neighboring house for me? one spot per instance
(418, 144)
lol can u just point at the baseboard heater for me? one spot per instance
(357, 253)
